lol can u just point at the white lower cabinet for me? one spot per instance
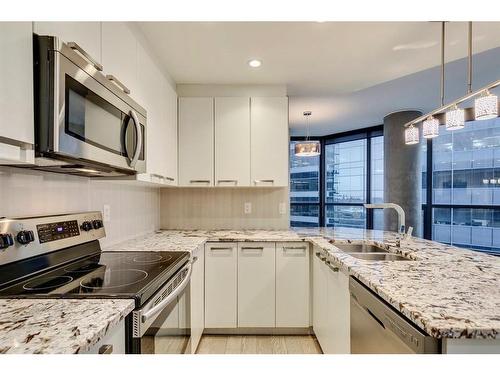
(221, 282)
(331, 319)
(338, 323)
(197, 286)
(292, 285)
(256, 284)
(319, 300)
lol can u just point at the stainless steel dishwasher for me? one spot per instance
(376, 328)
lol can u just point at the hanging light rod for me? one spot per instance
(443, 108)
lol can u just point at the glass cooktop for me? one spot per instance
(112, 274)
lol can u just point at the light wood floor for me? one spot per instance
(261, 344)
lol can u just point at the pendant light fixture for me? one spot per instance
(307, 147)
(430, 127)
(455, 118)
(486, 106)
(411, 135)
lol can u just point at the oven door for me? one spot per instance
(93, 123)
(163, 324)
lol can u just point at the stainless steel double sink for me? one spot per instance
(368, 252)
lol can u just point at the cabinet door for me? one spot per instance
(169, 139)
(149, 95)
(197, 285)
(256, 285)
(86, 34)
(221, 285)
(269, 140)
(232, 141)
(292, 284)
(338, 327)
(119, 54)
(320, 312)
(196, 142)
(16, 94)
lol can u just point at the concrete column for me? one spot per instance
(402, 172)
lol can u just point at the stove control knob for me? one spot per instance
(24, 237)
(86, 226)
(6, 240)
(97, 224)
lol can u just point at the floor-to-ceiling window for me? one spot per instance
(466, 186)
(330, 190)
(304, 190)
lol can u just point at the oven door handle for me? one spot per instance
(172, 296)
(138, 144)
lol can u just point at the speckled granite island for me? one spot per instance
(450, 293)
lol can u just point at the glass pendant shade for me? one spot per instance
(430, 128)
(486, 107)
(411, 135)
(455, 119)
(307, 148)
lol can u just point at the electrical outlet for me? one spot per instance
(248, 207)
(106, 213)
(282, 208)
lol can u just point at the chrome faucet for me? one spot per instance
(401, 218)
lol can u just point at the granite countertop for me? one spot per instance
(447, 291)
(62, 326)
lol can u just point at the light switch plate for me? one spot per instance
(106, 213)
(282, 208)
(248, 207)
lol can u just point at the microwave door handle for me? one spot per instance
(167, 301)
(138, 132)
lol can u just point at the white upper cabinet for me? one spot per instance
(169, 115)
(196, 141)
(269, 140)
(232, 141)
(119, 54)
(16, 93)
(86, 34)
(160, 101)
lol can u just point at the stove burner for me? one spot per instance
(151, 258)
(113, 279)
(49, 282)
(83, 268)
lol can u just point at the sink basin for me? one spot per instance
(360, 248)
(379, 257)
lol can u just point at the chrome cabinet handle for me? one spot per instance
(252, 248)
(263, 181)
(118, 83)
(138, 146)
(74, 46)
(294, 248)
(162, 177)
(106, 349)
(227, 181)
(199, 181)
(221, 248)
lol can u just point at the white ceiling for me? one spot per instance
(318, 61)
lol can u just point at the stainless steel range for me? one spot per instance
(60, 257)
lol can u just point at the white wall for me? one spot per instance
(134, 209)
(223, 208)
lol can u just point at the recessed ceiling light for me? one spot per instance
(254, 63)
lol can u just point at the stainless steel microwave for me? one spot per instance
(85, 122)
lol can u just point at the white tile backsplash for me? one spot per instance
(135, 210)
